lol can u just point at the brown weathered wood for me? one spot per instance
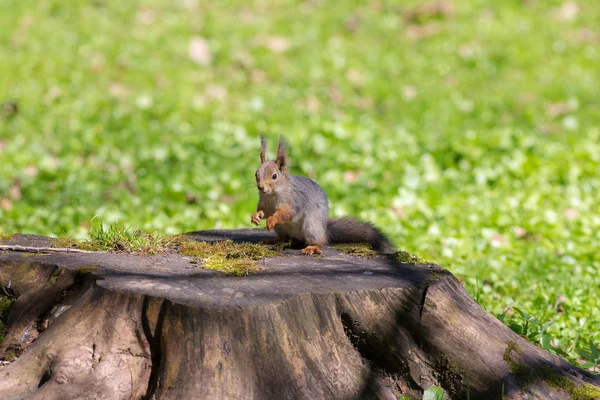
(336, 326)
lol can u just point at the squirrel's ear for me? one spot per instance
(263, 149)
(282, 153)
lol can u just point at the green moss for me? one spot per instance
(585, 392)
(5, 305)
(406, 257)
(548, 375)
(434, 276)
(27, 255)
(449, 374)
(280, 245)
(515, 368)
(175, 242)
(86, 269)
(524, 373)
(446, 362)
(5, 237)
(231, 258)
(357, 249)
(226, 248)
(65, 242)
(54, 277)
(235, 267)
(557, 381)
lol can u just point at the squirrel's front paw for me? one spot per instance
(271, 222)
(256, 217)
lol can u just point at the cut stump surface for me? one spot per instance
(121, 326)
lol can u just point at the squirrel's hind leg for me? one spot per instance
(314, 231)
(311, 250)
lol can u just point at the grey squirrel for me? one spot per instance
(297, 208)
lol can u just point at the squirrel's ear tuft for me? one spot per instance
(263, 149)
(282, 150)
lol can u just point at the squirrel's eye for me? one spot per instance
(274, 176)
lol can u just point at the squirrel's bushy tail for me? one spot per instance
(351, 230)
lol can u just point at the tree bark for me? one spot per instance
(122, 326)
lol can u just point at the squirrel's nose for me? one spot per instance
(260, 187)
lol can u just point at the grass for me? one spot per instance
(470, 134)
(120, 237)
(116, 237)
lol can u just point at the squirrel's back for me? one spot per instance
(307, 192)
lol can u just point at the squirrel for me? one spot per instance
(298, 208)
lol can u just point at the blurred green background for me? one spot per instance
(468, 130)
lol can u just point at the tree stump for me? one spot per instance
(122, 326)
